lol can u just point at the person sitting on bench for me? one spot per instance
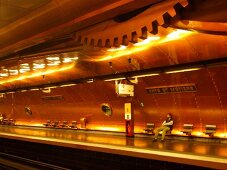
(166, 126)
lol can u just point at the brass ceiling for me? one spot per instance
(12, 10)
(33, 30)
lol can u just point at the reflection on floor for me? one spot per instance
(186, 151)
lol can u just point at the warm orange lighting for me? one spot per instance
(38, 66)
(46, 90)
(177, 132)
(143, 45)
(197, 133)
(122, 47)
(69, 59)
(179, 147)
(67, 85)
(147, 41)
(221, 135)
(115, 129)
(146, 75)
(106, 140)
(115, 79)
(36, 74)
(178, 34)
(3, 74)
(200, 149)
(222, 151)
(182, 70)
(53, 58)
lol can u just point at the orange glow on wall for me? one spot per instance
(37, 74)
(104, 128)
(143, 45)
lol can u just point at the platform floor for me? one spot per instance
(191, 152)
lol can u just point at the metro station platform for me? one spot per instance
(174, 153)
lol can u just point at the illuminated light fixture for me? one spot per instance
(23, 90)
(38, 66)
(34, 89)
(146, 75)
(90, 81)
(53, 58)
(13, 72)
(115, 79)
(46, 90)
(4, 74)
(67, 85)
(176, 35)
(54, 63)
(182, 70)
(11, 92)
(23, 70)
(122, 47)
(69, 59)
(25, 65)
(147, 41)
(36, 74)
(52, 87)
(1, 95)
(145, 44)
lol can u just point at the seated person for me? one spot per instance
(166, 126)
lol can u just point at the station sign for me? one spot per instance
(180, 88)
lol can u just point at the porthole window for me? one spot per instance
(106, 109)
(27, 110)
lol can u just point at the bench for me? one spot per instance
(187, 129)
(149, 128)
(56, 123)
(74, 124)
(48, 123)
(210, 130)
(64, 124)
(11, 122)
(5, 121)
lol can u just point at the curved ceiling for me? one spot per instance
(105, 37)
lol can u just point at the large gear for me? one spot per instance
(112, 33)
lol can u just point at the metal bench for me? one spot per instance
(56, 123)
(48, 123)
(149, 128)
(11, 122)
(5, 121)
(187, 129)
(210, 130)
(74, 124)
(64, 124)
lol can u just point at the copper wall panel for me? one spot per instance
(205, 106)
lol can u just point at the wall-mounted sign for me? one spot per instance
(125, 90)
(178, 88)
(128, 111)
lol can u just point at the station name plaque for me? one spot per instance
(180, 88)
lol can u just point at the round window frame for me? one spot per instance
(106, 109)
